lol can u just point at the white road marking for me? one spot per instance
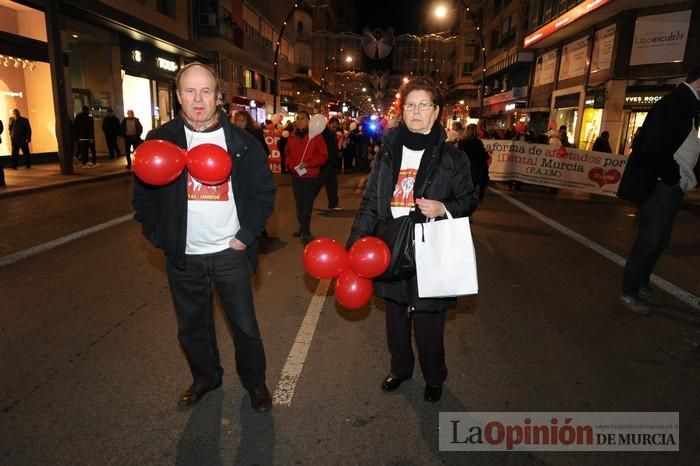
(25, 253)
(297, 356)
(683, 295)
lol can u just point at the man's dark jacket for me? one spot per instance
(139, 128)
(111, 125)
(84, 126)
(450, 182)
(665, 128)
(20, 130)
(332, 144)
(162, 210)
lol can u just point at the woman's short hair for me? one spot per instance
(471, 132)
(249, 122)
(421, 83)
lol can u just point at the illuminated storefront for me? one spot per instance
(25, 79)
(591, 121)
(148, 83)
(637, 106)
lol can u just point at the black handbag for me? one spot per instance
(398, 234)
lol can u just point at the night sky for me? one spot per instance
(403, 16)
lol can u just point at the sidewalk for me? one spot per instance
(45, 176)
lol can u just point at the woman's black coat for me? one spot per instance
(450, 183)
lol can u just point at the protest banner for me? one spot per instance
(557, 167)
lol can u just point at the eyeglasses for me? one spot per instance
(423, 106)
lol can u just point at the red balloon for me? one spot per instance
(325, 258)
(158, 162)
(353, 291)
(369, 257)
(209, 163)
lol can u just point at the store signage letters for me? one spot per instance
(642, 99)
(567, 18)
(167, 65)
(136, 56)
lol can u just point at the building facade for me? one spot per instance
(115, 54)
(604, 68)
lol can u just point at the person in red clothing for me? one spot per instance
(304, 158)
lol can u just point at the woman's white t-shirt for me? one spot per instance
(402, 201)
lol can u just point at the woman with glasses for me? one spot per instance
(415, 173)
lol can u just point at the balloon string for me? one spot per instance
(304, 153)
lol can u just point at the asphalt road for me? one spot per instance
(91, 368)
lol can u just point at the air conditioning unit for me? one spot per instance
(207, 19)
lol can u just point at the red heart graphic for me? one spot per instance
(602, 177)
(612, 176)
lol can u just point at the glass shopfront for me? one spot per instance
(566, 113)
(25, 77)
(148, 84)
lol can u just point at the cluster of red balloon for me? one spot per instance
(158, 162)
(368, 258)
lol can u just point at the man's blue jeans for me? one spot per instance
(655, 219)
(229, 272)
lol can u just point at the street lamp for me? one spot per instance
(348, 59)
(275, 83)
(441, 12)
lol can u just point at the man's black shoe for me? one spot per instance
(391, 383)
(432, 393)
(195, 393)
(260, 398)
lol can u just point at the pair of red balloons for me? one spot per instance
(158, 162)
(369, 257)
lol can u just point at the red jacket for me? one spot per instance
(316, 154)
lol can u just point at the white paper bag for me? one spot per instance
(445, 259)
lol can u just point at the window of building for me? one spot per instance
(300, 26)
(166, 7)
(467, 68)
(237, 74)
(247, 78)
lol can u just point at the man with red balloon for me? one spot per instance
(206, 219)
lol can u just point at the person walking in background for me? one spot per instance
(564, 136)
(668, 145)
(349, 148)
(329, 172)
(20, 137)
(111, 128)
(85, 134)
(243, 120)
(415, 169)
(131, 131)
(602, 143)
(478, 158)
(209, 236)
(304, 159)
(2, 170)
(282, 143)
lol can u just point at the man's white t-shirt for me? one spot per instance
(402, 201)
(212, 219)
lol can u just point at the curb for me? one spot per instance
(62, 184)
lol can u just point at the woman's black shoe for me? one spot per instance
(391, 383)
(433, 393)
